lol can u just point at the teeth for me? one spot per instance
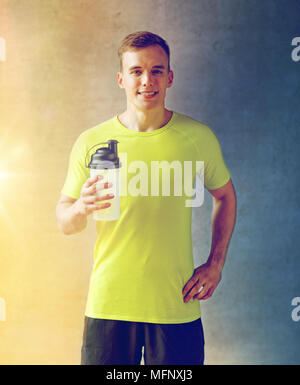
(147, 93)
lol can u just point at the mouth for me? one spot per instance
(148, 94)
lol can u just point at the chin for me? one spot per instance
(148, 105)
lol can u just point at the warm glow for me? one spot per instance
(12, 154)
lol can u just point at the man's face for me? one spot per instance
(145, 70)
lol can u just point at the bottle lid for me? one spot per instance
(105, 157)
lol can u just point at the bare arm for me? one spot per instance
(209, 274)
(71, 214)
(223, 221)
(70, 219)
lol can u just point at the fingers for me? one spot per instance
(189, 294)
(206, 276)
(205, 295)
(205, 292)
(92, 185)
(189, 285)
(91, 203)
(89, 199)
(90, 195)
(102, 186)
(89, 187)
(92, 180)
(93, 207)
(208, 295)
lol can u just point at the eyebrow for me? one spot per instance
(135, 67)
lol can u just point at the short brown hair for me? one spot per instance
(142, 39)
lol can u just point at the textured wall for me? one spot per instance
(234, 72)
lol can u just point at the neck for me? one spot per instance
(143, 121)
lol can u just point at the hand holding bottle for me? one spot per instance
(89, 196)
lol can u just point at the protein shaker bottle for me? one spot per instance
(105, 162)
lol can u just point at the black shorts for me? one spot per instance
(114, 342)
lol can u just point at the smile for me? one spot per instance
(148, 94)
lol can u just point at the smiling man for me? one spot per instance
(144, 289)
(145, 76)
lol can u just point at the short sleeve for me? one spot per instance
(77, 172)
(216, 173)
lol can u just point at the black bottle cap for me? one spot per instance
(105, 157)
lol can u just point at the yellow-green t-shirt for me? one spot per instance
(143, 260)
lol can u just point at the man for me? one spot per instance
(144, 290)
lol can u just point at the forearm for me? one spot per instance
(223, 221)
(70, 218)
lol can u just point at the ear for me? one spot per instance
(170, 79)
(120, 79)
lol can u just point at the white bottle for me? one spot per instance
(105, 162)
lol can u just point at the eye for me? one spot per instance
(157, 71)
(136, 72)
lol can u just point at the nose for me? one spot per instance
(147, 79)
